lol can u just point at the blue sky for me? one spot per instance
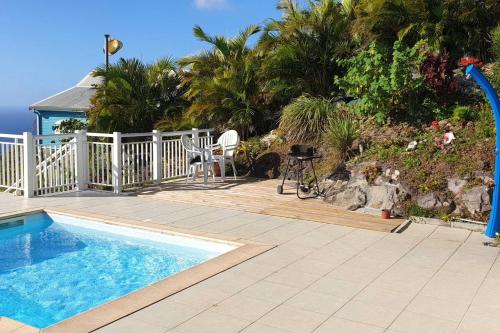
(48, 46)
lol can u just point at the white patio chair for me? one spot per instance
(199, 157)
(228, 142)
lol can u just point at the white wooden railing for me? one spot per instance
(11, 162)
(47, 164)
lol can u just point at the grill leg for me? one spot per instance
(315, 178)
(280, 187)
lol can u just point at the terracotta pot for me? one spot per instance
(386, 214)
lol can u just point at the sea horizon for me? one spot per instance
(16, 120)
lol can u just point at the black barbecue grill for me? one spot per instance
(299, 156)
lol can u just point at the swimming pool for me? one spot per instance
(53, 267)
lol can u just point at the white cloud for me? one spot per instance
(210, 4)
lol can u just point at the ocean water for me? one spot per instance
(16, 120)
(53, 267)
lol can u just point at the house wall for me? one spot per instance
(47, 119)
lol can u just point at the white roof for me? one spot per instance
(76, 98)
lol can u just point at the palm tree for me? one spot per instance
(454, 26)
(221, 83)
(409, 21)
(134, 96)
(300, 51)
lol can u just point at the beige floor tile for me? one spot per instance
(370, 314)
(212, 322)
(131, 325)
(339, 288)
(450, 234)
(434, 307)
(280, 256)
(229, 282)
(292, 278)
(243, 307)
(316, 302)
(261, 328)
(285, 233)
(200, 297)
(312, 266)
(253, 270)
(166, 314)
(481, 319)
(313, 239)
(409, 322)
(270, 292)
(384, 298)
(251, 230)
(293, 319)
(339, 325)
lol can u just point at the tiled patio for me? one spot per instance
(320, 277)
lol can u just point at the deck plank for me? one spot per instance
(259, 196)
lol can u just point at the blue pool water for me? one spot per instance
(53, 267)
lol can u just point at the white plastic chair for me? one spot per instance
(228, 142)
(199, 157)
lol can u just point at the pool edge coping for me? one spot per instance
(110, 312)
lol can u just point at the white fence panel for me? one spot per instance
(100, 163)
(174, 159)
(11, 162)
(47, 164)
(55, 167)
(137, 163)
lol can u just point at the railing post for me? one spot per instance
(196, 137)
(157, 158)
(82, 160)
(117, 162)
(29, 165)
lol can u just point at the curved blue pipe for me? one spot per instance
(494, 222)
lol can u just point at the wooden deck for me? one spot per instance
(259, 196)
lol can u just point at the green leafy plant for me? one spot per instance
(304, 119)
(341, 131)
(463, 113)
(485, 125)
(301, 50)
(221, 83)
(69, 126)
(134, 96)
(251, 149)
(385, 84)
(495, 42)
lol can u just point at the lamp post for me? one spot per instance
(106, 50)
(111, 46)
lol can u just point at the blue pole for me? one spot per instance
(494, 222)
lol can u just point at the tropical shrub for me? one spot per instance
(300, 52)
(134, 96)
(495, 42)
(463, 113)
(69, 126)
(494, 76)
(385, 84)
(341, 131)
(387, 21)
(304, 119)
(221, 84)
(456, 26)
(437, 69)
(485, 125)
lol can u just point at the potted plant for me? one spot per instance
(386, 214)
